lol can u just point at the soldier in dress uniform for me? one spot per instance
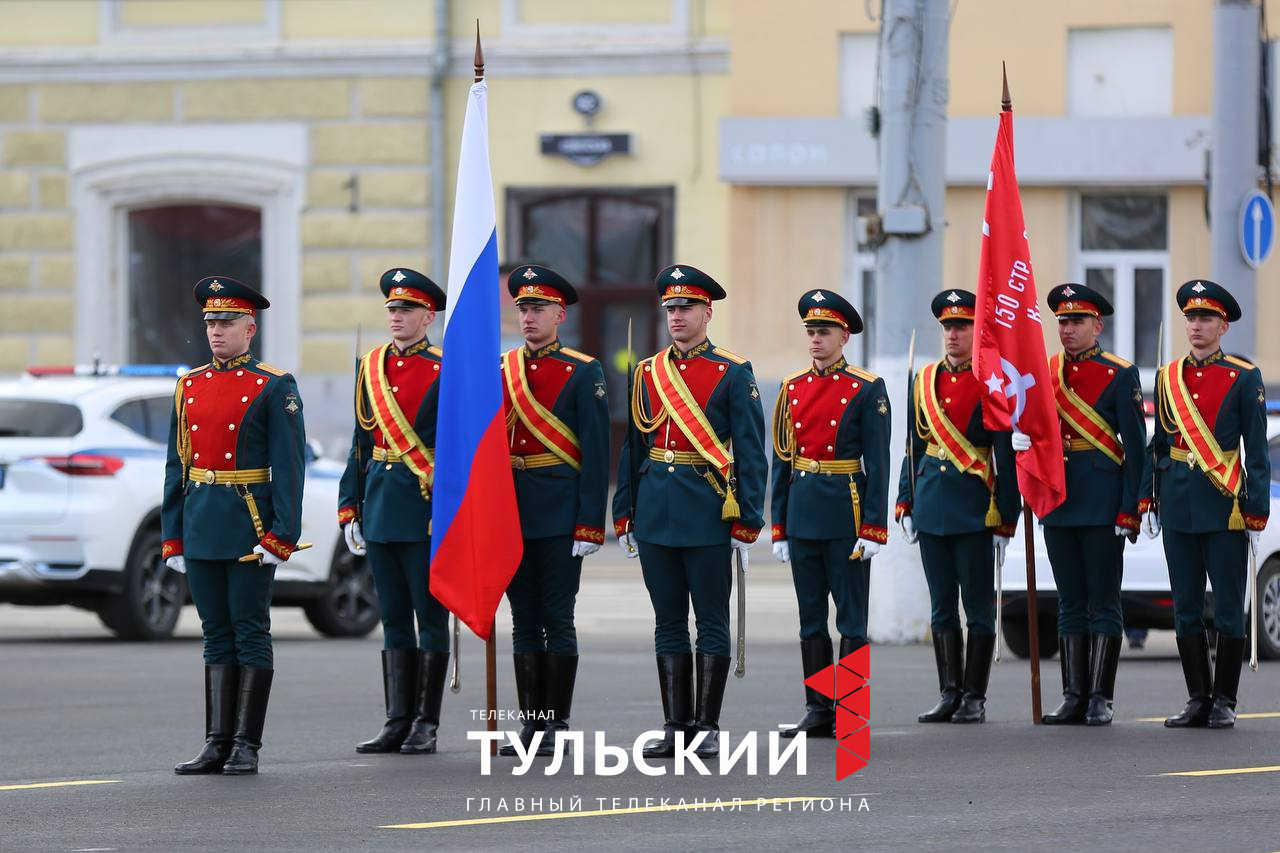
(958, 494)
(233, 490)
(1104, 437)
(1211, 503)
(693, 500)
(384, 507)
(830, 490)
(558, 428)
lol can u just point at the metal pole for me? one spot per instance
(912, 100)
(435, 125)
(1033, 616)
(1234, 157)
(491, 685)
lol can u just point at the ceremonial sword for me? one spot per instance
(740, 559)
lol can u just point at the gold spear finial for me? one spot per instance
(479, 60)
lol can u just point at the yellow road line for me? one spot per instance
(482, 821)
(1256, 715)
(70, 784)
(1231, 771)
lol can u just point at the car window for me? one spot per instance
(39, 419)
(132, 415)
(1273, 448)
(159, 412)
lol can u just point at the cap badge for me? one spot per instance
(1067, 291)
(530, 274)
(215, 286)
(953, 298)
(817, 296)
(1199, 288)
(676, 274)
(398, 277)
(399, 291)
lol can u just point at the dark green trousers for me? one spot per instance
(234, 603)
(822, 568)
(402, 578)
(1223, 558)
(1087, 564)
(960, 566)
(676, 576)
(542, 596)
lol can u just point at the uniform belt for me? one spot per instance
(1179, 454)
(383, 454)
(676, 457)
(827, 466)
(1075, 445)
(535, 460)
(938, 451)
(242, 477)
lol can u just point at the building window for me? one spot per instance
(170, 249)
(1124, 255)
(228, 21)
(1120, 72)
(858, 54)
(861, 289)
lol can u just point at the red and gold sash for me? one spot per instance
(679, 404)
(962, 452)
(1082, 417)
(546, 427)
(396, 429)
(1224, 470)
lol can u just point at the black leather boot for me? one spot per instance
(433, 669)
(1105, 658)
(529, 693)
(251, 716)
(1194, 652)
(713, 673)
(948, 655)
(849, 645)
(221, 681)
(399, 687)
(977, 672)
(1074, 652)
(561, 673)
(675, 681)
(819, 711)
(1226, 682)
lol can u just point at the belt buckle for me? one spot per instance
(814, 466)
(1191, 459)
(518, 463)
(210, 476)
(942, 453)
(669, 456)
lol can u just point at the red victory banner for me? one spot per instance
(1011, 360)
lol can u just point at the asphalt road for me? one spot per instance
(77, 706)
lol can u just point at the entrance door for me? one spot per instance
(610, 244)
(172, 247)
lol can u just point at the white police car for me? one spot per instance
(1144, 589)
(82, 453)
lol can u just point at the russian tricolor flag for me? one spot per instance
(476, 544)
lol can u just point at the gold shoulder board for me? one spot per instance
(1117, 360)
(580, 356)
(1239, 362)
(864, 375)
(272, 369)
(732, 356)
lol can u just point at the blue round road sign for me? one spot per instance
(1257, 228)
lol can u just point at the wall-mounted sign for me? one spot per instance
(586, 149)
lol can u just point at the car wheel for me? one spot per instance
(153, 596)
(1018, 639)
(349, 606)
(1268, 618)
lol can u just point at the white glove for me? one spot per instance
(908, 530)
(628, 543)
(738, 544)
(1021, 441)
(782, 551)
(177, 564)
(355, 539)
(1254, 536)
(1002, 544)
(869, 548)
(268, 559)
(1122, 532)
(1151, 524)
(584, 549)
